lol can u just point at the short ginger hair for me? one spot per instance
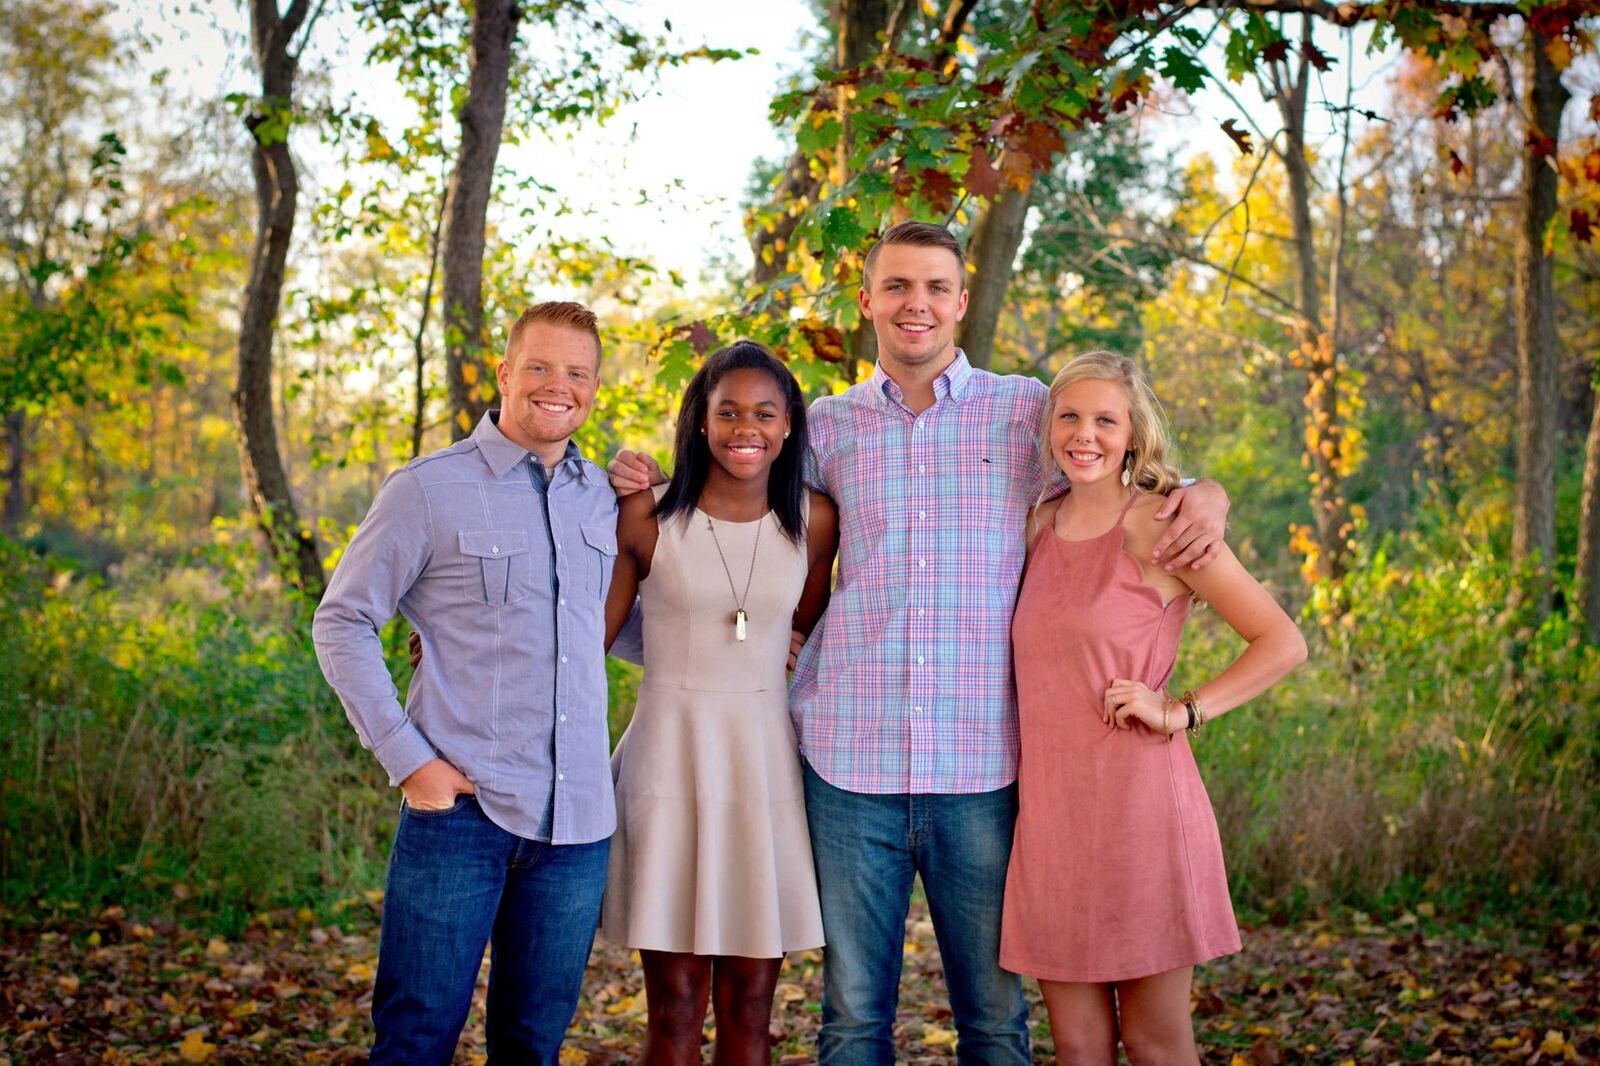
(921, 235)
(567, 313)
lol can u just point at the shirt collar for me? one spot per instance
(502, 453)
(950, 384)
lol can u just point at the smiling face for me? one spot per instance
(746, 419)
(547, 387)
(1090, 430)
(914, 299)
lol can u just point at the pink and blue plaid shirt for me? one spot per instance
(906, 686)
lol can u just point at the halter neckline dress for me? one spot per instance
(1116, 866)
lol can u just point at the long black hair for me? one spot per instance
(692, 459)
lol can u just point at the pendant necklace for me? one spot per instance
(739, 616)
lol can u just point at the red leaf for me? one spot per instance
(700, 337)
(1550, 21)
(1540, 145)
(939, 189)
(1041, 141)
(1582, 227)
(982, 179)
(1240, 137)
(1315, 56)
(827, 342)
(1277, 51)
(1456, 165)
(1591, 162)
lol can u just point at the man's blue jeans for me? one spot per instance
(457, 882)
(867, 850)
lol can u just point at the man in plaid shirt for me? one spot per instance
(903, 698)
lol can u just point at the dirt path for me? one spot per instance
(107, 988)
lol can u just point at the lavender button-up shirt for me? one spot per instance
(506, 584)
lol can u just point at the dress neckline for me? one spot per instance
(1116, 527)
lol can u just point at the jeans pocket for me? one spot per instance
(462, 799)
(497, 563)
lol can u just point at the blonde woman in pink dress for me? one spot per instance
(1116, 887)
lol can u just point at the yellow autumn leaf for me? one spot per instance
(1555, 1042)
(216, 947)
(469, 373)
(68, 985)
(938, 1036)
(195, 1048)
(464, 421)
(571, 1056)
(626, 1005)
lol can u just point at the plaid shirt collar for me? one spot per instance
(949, 385)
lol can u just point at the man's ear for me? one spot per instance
(961, 305)
(864, 301)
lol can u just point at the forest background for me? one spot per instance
(1351, 243)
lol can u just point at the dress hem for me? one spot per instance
(1103, 977)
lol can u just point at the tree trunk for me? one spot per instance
(993, 252)
(277, 189)
(494, 30)
(1533, 533)
(16, 501)
(1589, 531)
(418, 349)
(1315, 352)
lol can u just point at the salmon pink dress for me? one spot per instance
(1116, 867)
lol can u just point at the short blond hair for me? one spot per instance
(567, 313)
(1151, 471)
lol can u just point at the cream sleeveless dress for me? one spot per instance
(711, 854)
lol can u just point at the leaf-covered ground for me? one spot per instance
(108, 988)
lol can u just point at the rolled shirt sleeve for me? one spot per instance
(382, 561)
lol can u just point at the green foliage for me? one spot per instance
(170, 742)
(1436, 749)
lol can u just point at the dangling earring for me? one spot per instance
(1127, 467)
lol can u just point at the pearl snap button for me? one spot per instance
(495, 549)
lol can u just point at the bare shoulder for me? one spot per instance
(1140, 526)
(1042, 517)
(636, 519)
(823, 509)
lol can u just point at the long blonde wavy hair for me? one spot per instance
(1149, 444)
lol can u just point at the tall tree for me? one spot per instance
(992, 250)
(277, 191)
(1533, 534)
(483, 114)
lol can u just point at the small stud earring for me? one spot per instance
(785, 434)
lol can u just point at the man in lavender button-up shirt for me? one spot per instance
(498, 551)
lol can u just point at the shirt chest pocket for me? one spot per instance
(496, 567)
(601, 539)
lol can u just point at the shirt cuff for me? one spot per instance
(404, 752)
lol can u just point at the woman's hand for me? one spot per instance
(1127, 701)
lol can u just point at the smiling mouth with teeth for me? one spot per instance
(553, 408)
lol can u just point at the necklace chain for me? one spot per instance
(738, 600)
